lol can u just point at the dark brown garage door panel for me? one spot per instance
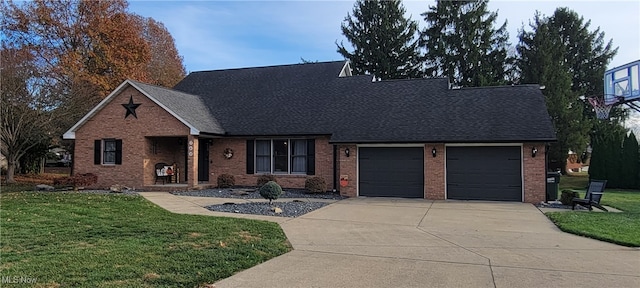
(484, 173)
(391, 171)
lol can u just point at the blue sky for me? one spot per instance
(232, 34)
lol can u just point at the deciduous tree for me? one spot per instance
(80, 51)
(165, 65)
(23, 108)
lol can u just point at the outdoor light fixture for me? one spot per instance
(534, 151)
(346, 152)
(433, 152)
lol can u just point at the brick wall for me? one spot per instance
(434, 172)
(137, 166)
(237, 165)
(534, 173)
(347, 167)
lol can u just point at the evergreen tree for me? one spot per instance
(586, 55)
(384, 41)
(542, 61)
(614, 161)
(607, 156)
(461, 43)
(630, 160)
(597, 163)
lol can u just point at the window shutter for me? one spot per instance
(97, 152)
(118, 151)
(311, 156)
(250, 157)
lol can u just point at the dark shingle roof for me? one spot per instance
(189, 107)
(310, 99)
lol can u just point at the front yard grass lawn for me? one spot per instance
(620, 228)
(89, 240)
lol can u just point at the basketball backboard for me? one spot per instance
(622, 84)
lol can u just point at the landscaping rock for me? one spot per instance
(117, 188)
(44, 187)
(239, 192)
(276, 210)
(289, 209)
(251, 193)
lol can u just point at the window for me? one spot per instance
(281, 156)
(263, 156)
(108, 151)
(298, 156)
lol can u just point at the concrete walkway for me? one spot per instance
(382, 242)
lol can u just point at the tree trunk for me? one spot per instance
(11, 170)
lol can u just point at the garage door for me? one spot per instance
(484, 173)
(391, 171)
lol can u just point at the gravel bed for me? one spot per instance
(124, 192)
(252, 193)
(289, 209)
(103, 192)
(558, 204)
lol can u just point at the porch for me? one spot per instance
(174, 163)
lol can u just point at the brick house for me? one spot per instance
(395, 138)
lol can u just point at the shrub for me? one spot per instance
(315, 185)
(270, 191)
(226, 181)
(263, 179)
(567, 196)
(78, 180)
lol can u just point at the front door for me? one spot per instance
(203, 161)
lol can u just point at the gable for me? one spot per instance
(152, 93)
(112, 119)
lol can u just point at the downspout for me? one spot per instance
(335, 168)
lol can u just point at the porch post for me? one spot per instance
(192, 165)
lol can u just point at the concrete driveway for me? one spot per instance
(377, 242)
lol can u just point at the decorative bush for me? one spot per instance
(78, 180)
(315, 185)
(226, 181)
(263, 179)
(270, 191)
(567, 195)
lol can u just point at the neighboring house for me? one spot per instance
(578, 163)
(399, 138)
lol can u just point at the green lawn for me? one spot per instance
(575, 182)
(620, 228)
(90, 240)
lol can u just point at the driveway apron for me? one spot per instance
(384, 242)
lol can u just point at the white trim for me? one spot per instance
(272, 155)
(70, 134)
(346, 70)
(424, 159)
(482, 144)
(521, 145)
(392, 145)
(192, 130)
(357, 170)
(522, 172)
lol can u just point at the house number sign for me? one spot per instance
(190, 148)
